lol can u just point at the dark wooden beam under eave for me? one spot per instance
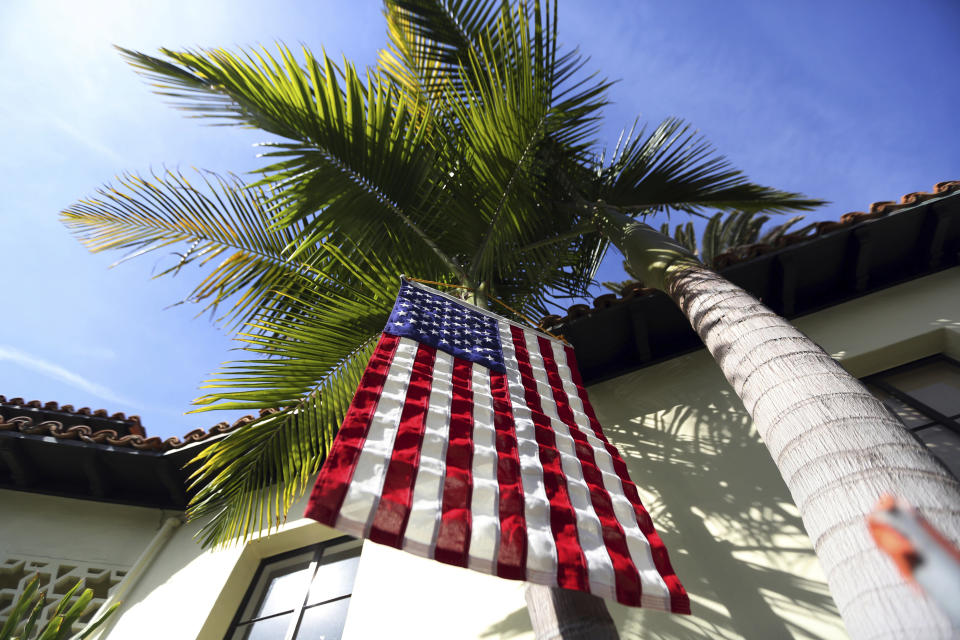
(641, 334)
(859, 278)
(173, 483)
(97, 475)
(22, 470)
(934, 236)
(787, 267)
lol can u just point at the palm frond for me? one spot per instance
(430, 40)
(357, 159)
(303, 368)
(775, 233)
(520, 123)
(723, 233)
(222, 219)
(248, 481)
(674, 168)
(22, 621)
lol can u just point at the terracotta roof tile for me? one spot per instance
(18, 415)
(748, 252)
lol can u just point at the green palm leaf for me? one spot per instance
(358, 155)
(674, 168)
(224, 220)
(521, 121)
(21, 621)
(431, 39)
(307, 362)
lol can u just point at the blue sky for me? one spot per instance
(850, 101)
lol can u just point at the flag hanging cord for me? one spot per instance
(500, 302)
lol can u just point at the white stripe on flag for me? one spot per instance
(541, 547)
(485, 499)
(363, 494)
(421, 532)
(589, 529)
(654, 589)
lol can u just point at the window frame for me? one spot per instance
(877, 380)
(317, 550)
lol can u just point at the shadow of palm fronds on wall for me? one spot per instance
(735, 538)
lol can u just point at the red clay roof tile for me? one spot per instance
(13, 418)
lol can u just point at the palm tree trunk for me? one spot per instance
(836, 446)
(562, 614)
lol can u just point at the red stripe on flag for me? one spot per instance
(512, 553)
(679, 600)
(628, 585)
(337, 471)
(453, 536)
(393, 512)
(571, 562)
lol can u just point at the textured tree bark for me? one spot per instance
(836, 446)
(563, 614)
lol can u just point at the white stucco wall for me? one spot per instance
(93, 532)
(717, 500)
(190, 592)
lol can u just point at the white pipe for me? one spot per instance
(134, 574)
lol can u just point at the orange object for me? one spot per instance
(895, 545)
(923, 555)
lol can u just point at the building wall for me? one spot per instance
(65, 540)
(94, 532)
(188, 592)
(191, 592)
(735, 538)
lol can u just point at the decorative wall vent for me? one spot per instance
(57, 576)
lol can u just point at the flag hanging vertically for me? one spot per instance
(471, 441)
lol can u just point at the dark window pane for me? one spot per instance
(281, 587)
(944, 444)
(324, 622)
(910, 416)
(936, 385)
(269, 629)
(334, 578)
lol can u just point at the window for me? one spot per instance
(300, 595)
(926, 396)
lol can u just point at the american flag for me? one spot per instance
(471, 441)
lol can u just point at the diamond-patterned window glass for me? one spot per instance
(57, 576)
(925, 394)
(935, 384)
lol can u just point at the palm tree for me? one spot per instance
(721, 234)
(468, 156)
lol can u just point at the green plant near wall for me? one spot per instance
(24, 620)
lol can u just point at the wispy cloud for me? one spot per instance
(84, 138)
(62, 374)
